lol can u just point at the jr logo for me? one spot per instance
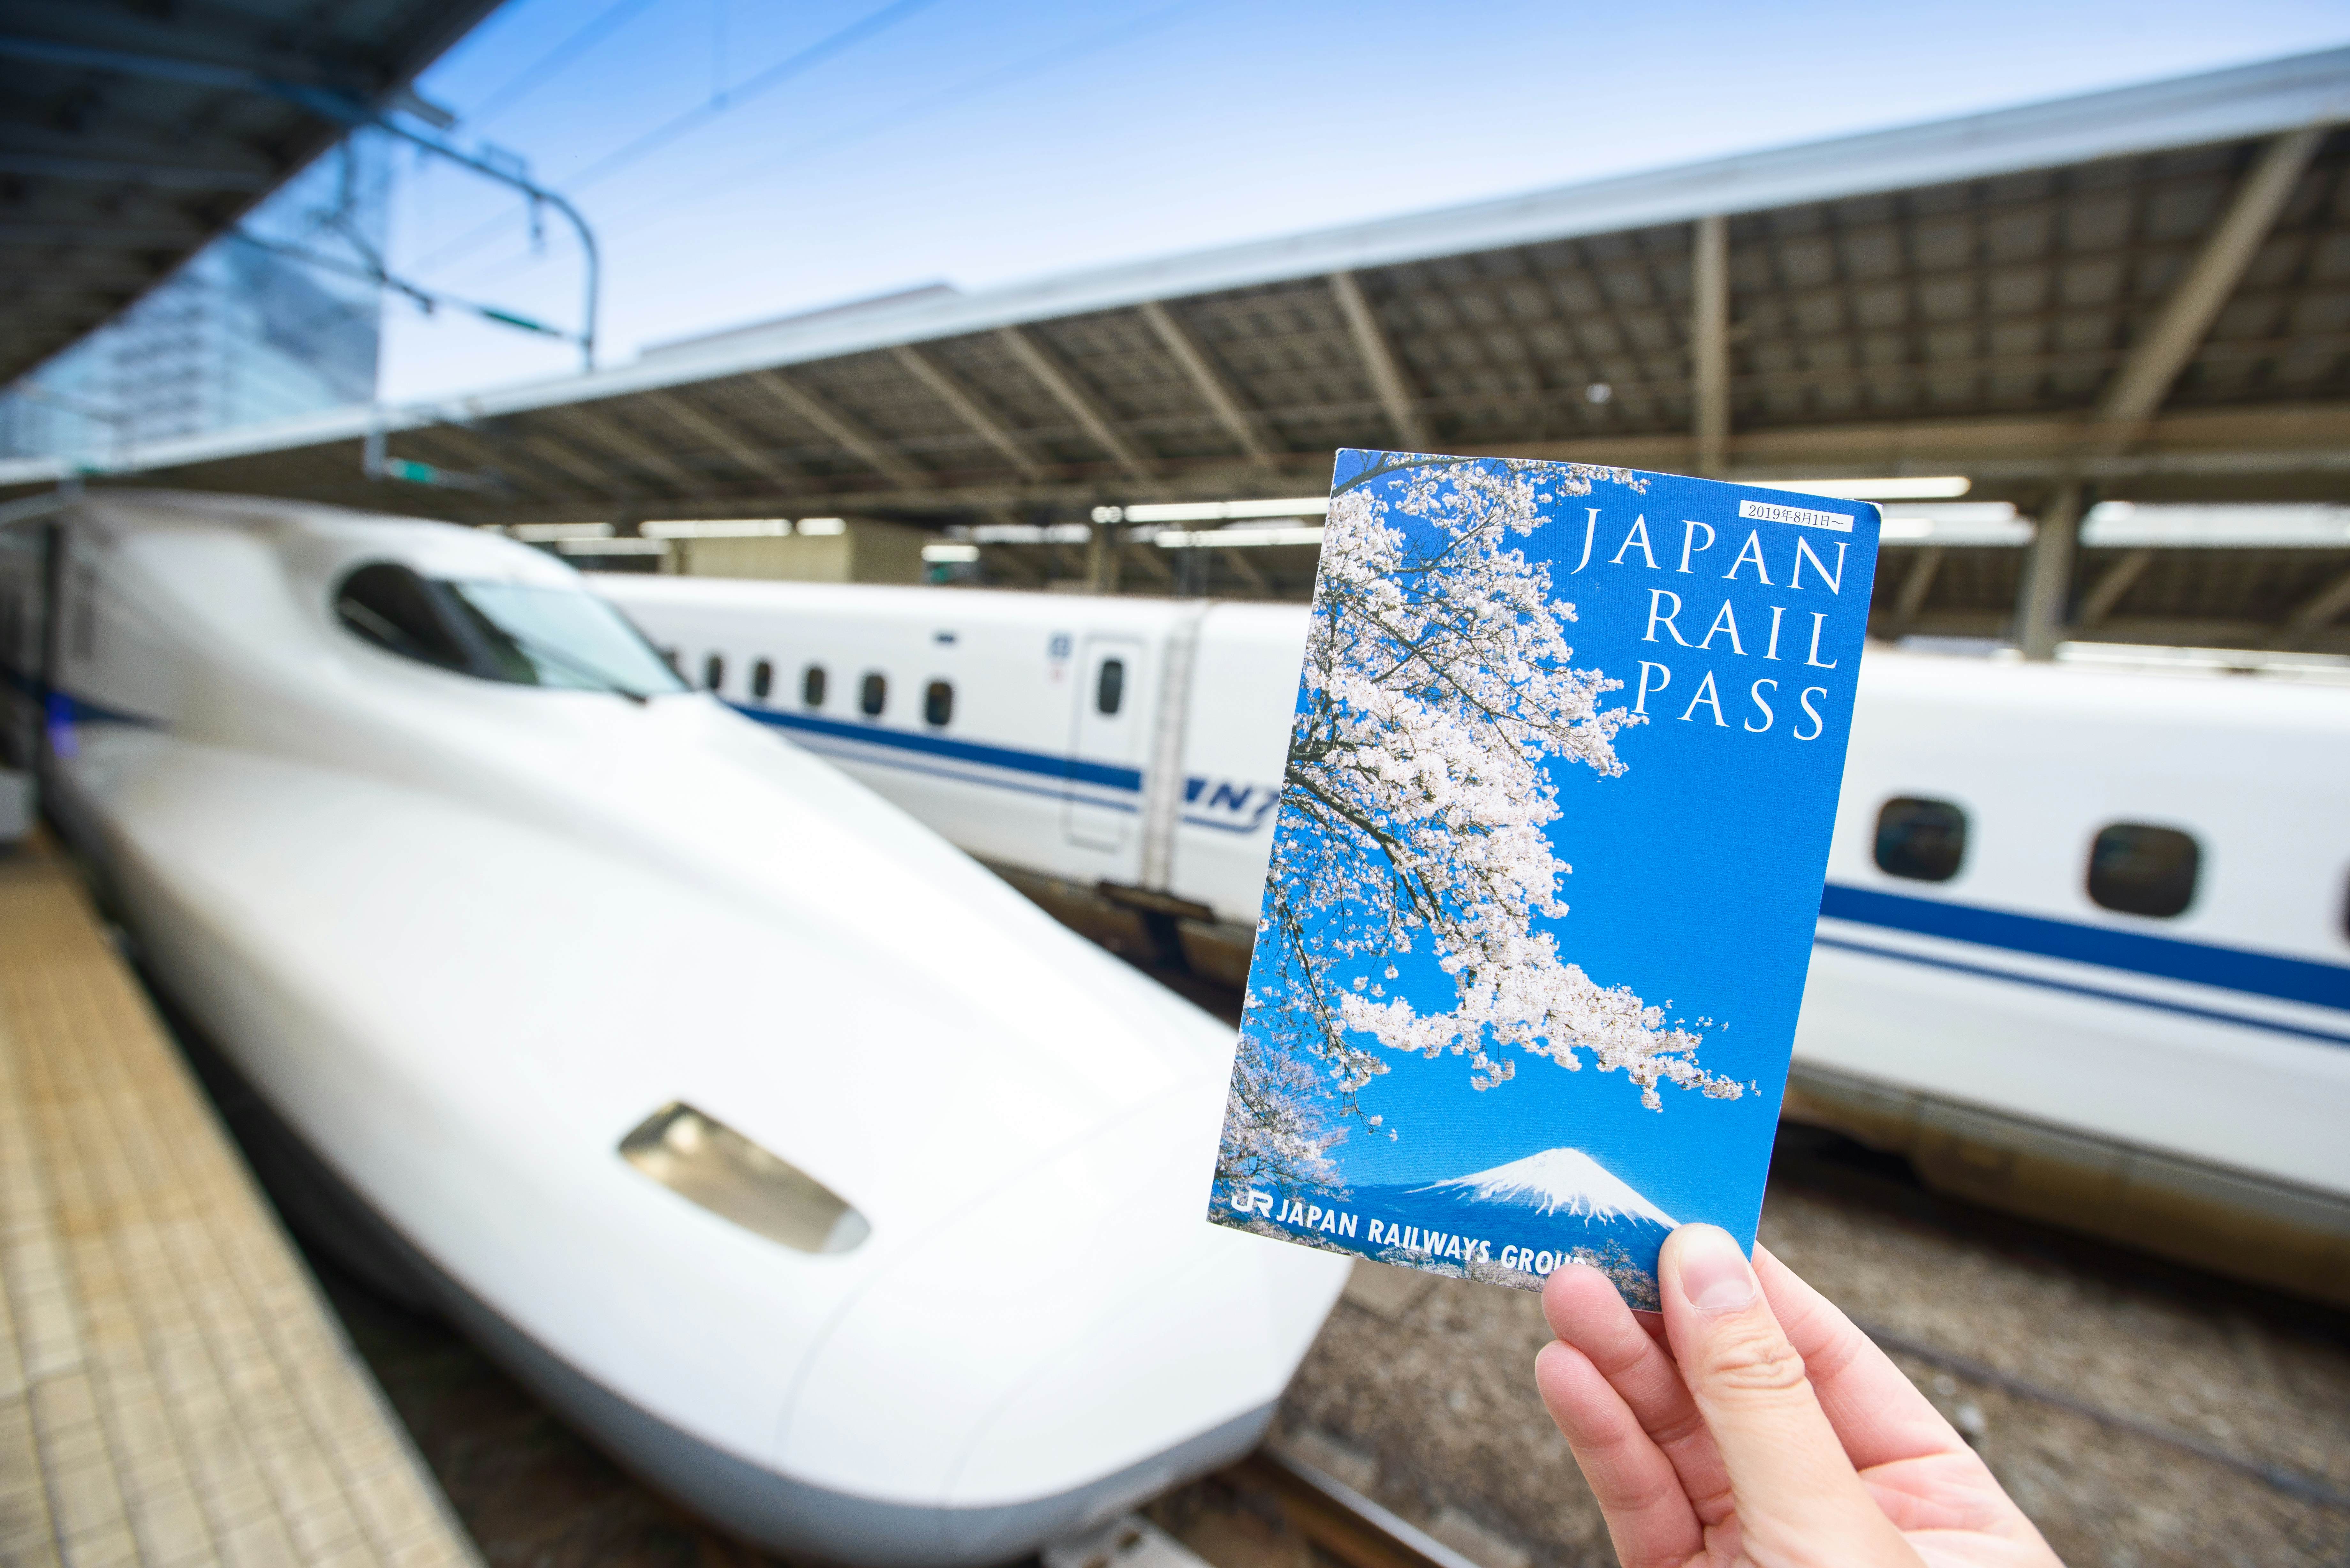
(1220, 802)
(1247, 1199)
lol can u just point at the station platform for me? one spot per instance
(174, 1390)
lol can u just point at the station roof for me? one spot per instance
(132, 134)
(2148, 289)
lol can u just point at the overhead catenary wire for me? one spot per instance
(907, 112)
(677, 125)
(549, 65)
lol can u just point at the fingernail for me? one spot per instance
(1715, 1275)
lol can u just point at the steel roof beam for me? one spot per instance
(1223, 399)
(499, 450)
(709, 429)
(948, 390)
(599, 478)
(2107, 590)
(1082, 407)
(1915, 587)
(1380, 362)
(163, 176)
(1151, 557)
(2145, 380)
(2314, 614)
(844, 429)
(607, 430)
(1244, 569)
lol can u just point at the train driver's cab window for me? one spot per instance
(812, 686)
(874, 695)
(2143, 870)
(525, 634)
(938, 703)
(713, 671)
(763, 680)
(1922, 840)
(1109, 688)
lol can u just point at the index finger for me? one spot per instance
(1877, 1413)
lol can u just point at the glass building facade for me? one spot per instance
(278, 317)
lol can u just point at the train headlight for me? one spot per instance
(709, 1163)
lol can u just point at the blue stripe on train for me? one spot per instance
(2201, 963)
(2097, 992)
(2170, 957)
(1109, 775)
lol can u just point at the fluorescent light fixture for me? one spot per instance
(719, 528)
(2246, 525)
(708, 1163)
(611, 547)
(950, 553)
(1943, 487)
(1962, 523)
(1032, 534)
(823, 527)
(1235, 538)
(1215, 511)
(548, 533)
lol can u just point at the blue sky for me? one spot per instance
(1696, 871)
(978, 143)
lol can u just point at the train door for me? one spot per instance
(1101, 807)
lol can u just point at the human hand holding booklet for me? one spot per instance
(1551, 844)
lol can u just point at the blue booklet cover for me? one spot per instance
(1551, 844)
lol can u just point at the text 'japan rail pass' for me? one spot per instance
(1551, 844)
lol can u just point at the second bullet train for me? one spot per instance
(2084, 951)
(801, 1162)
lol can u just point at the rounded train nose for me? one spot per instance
(1066, 1344)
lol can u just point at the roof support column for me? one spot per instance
(1379, 360)
(2048, 574)
(2145, 378)
(1102, 558)
(1709, 342)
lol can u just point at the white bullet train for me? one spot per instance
(810, 1169)
(2085, 946)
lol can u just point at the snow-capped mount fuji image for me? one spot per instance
(1547, 1207)
(1556, 1181)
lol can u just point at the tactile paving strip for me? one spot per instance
(172, 1389)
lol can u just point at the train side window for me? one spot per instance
(1109, 686)
(713, 671)
(812, 686)
(938, 703)
(2143, 870)
(763, 680)
(1923, 840)
(875, 695)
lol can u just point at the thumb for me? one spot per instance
(1797, 1495)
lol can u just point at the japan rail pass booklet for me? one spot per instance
(1551, 842)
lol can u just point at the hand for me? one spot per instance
(1759, 1426)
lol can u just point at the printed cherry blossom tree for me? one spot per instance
(1439, 687)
